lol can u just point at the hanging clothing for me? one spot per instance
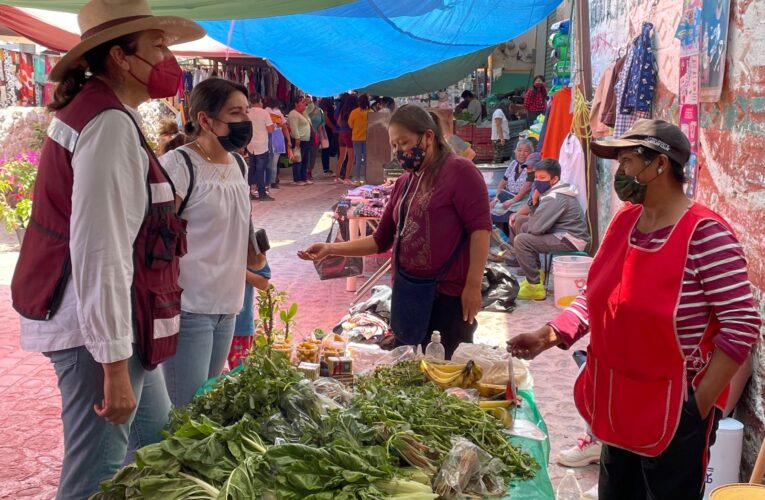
(558, 123)
(39, 71)
(26, 80)
(600, 129)
(573, 167)
(641, 79)
(608, 113)
(625, 122)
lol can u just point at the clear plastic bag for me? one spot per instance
(469, 471)
(403, 353)
(333, 390)
(493, 361)
(469, 395)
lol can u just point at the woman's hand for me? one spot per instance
(535, 197)
(507, 204)
(531, 345)
(119, 401)
(315, 252)
(494, 202)
(512, 219)
(471, 302)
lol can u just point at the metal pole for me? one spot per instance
(585, 63)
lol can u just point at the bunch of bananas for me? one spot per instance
(447, 375)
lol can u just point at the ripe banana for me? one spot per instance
(494, 404)
(452, 375)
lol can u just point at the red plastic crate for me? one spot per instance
(465, 132)
(482, 135)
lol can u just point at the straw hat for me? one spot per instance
(104, 20)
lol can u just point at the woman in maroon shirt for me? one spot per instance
(444, 231)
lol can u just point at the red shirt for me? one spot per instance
(535, 101)
(439, 218)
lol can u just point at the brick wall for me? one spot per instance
(732, 144)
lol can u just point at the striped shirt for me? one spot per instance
(715, 282)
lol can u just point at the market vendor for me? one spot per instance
(514, 189)
(671, 318)
(438, 219)
(103, 239)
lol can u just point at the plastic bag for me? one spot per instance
(469, 471)
(469, 395)
(403, 353)
(333, 390)
(493, 361)
(365, 356)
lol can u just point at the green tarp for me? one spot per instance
(509, 82)
(431, 78)
(202, 9)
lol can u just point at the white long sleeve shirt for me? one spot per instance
(109, 204)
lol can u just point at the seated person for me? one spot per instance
(244, 329)
(556, 223)
(514, 189)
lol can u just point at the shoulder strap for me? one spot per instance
(240, 162)
(191, 181)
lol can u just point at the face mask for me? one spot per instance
(164, 79)
(239, 135)
(539, 85)
(629, 188)
(541, 186)
(412, 159)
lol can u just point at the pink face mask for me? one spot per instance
(164, 79)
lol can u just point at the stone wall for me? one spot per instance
(732, 141)
(19, 128)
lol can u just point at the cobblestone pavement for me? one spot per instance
(31, 446)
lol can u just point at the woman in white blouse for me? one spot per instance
(213, 197)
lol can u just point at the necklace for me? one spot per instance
(203, 151)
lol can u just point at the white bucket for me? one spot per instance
(725, 455)
(569, 278)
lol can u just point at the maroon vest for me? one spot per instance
(44, 265)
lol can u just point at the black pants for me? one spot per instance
(447, 319)
(679, 473)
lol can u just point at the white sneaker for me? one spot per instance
(585, 452)
(591, 494)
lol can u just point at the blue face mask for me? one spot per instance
(541, 186)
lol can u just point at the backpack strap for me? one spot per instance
(242, 165)
(191, 181)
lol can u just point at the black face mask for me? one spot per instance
(239, 135)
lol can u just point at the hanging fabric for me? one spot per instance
(625, 122)
(572, 164)
(608, 113)
(600, 129)
(558, 123)
(641, 79)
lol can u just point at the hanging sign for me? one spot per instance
(715, 16)
(689, 33)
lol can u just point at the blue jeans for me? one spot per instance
(257, 174)
(300, 170)
(94, 449)
(360, 152)
(203, 347)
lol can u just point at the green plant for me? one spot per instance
(40, 132)
(270, 309)
(17, 182)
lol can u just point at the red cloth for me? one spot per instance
(240, 347)
(633, 386)
(438, 219)
(558, 123)
(536, 102)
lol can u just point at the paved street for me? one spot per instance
(31, 446)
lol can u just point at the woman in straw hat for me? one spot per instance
(96, 280)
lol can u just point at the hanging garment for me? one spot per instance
(39, 69)
(608, 113)
(625, 122)
(26, 80)
(598, 128)
(573, 167)
(641, 79)
(558, 123)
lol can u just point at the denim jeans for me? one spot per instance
(258, 172)
(273, 168)
(203, 347)
(300, 170)
(93, 448)
(360, 151)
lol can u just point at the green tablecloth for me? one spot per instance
(539, 488)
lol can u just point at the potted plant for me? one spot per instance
(17, 182)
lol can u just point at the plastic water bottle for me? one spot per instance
(435, 349)
(568, 488)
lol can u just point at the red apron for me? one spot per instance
(633, 386)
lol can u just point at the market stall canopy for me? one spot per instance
(59, 31)
(432, 78)
(201, 9)
(368, 41)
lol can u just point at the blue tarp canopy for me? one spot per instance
(369, 41)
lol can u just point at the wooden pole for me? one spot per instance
(582, 30)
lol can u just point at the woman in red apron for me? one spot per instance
(671, 318)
